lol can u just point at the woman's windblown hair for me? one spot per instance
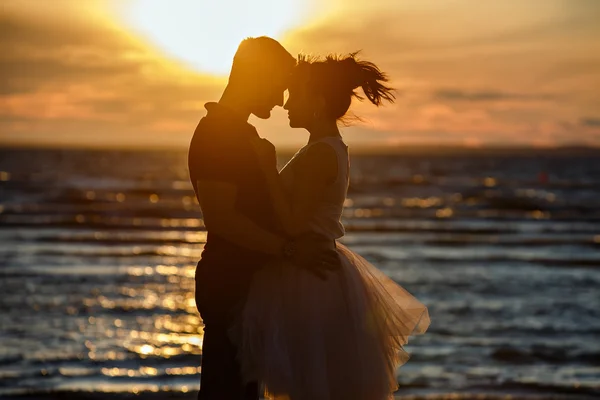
(336, 77)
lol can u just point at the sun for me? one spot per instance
(205, 33)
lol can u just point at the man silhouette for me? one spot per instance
(243, 233)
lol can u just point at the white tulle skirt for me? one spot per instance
(340, 338)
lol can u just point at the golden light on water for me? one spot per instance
(164, 345)
(418, 202)
(146, 349)
(157, 335)
(489, 182)
(444, 213)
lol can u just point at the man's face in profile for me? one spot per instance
(270, 93)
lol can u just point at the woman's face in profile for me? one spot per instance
(300, 104)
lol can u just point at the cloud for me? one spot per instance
(469, 72)
(68, 80)
(590, 122)
(486, 72)
(475, 96)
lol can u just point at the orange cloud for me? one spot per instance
(467, 72)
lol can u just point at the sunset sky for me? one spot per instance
(138, 72)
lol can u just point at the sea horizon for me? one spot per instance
(450, 149)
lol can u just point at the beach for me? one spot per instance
(98, 250)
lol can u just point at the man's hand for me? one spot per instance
(316, 254)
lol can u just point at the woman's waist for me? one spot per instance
(222, 251)
(330, 230)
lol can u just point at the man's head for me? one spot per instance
(260, 73)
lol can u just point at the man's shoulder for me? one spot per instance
(218, 134)
(206, 127)
(212, 133)
(208, 134)
(212, 145)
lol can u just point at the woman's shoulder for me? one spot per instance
(319, 159)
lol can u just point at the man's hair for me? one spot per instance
(260, 55)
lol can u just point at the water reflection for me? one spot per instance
(165, 326)
(99, 253)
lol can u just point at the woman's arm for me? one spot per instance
(313, 171)
(217, 200)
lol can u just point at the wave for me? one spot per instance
(554, 389)
(505, 260)
(188, 388)
(417, 237)
(195, 224)
(514, 261)
(544, 354)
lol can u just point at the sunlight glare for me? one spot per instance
(205, 34)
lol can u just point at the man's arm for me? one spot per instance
(216, 188)
(217, 200)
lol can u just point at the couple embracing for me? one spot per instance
(283, 303)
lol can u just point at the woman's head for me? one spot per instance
(323, 89)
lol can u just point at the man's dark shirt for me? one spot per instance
(221, 151)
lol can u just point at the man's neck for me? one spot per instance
(235, 103)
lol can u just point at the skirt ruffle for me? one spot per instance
(340, 338)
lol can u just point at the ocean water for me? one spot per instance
(98, 249)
